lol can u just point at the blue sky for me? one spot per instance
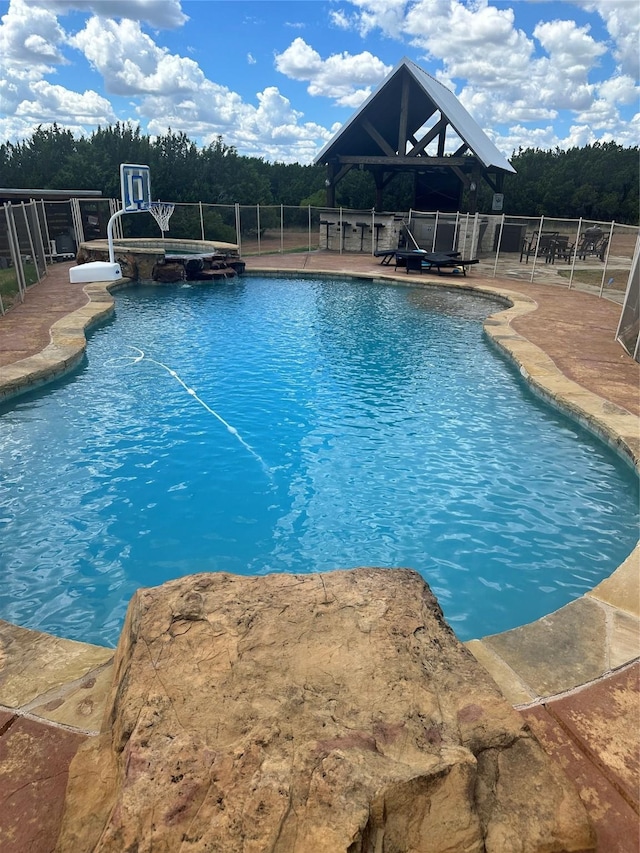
(276, 78)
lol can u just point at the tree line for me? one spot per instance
(600, 181)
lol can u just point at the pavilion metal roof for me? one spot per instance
(385, 112)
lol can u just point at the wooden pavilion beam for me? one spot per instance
(397, 160)
(404, 116)
(343, 171)
(493, 181)
(464, 178)
(380, 141)
(439, 127)
(333, 178)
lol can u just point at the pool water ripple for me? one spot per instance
(301, 426)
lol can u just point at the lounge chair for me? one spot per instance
(419, 260)
(387, 256)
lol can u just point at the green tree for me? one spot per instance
(599, 181)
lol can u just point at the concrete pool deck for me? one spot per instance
(574, 675)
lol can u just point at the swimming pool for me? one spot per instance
(293, 425)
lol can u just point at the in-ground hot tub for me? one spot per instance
(168, 259)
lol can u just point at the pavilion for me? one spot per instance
(402, 127)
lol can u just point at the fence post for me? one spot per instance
(40, 250)
(628, 306)
(6, 222)
(464, 233)
(238, 238)
(606, 256)
(309, 220)
(14, 248)
(575, 253)
(46, 238)
(34, 257)
(373, 231)
(498, 244)
(535, 257)
(76, 218)
(201, 222)
(474, 235)
(258, 226)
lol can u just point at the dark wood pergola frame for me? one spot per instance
(383, 138)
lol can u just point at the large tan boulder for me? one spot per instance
(323, 713)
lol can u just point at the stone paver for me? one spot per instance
(81, 704)
(600, 722)
(34, 765)
(613, 818)
(620, 590)
(24, 330)
(35, 666)
(558, 652)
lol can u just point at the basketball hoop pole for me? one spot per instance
(136, 197)
(115, 216)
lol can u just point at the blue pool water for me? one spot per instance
(266, 425)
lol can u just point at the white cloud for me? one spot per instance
(31, 42)
(562, 77)
(16, 85)
(622, 20)
(577, 136)
(131, 62)
(273, 129)
(340, 20)
(484, 103)
(344, 77)
(30, 35)
(572, 50)
(160, 14)
(502, 78)
(57, 104)
(621, 89)
(386, 15)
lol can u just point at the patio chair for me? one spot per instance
(540, 247)
(592, 242)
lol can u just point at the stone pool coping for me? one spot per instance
(65, 682)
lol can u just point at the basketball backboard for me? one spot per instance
(135, 185)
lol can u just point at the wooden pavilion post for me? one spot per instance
(330, 184)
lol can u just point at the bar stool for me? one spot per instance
(378, 226)
(362, 226)
(327, 225)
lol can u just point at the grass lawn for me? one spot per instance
(9, 289)
(614, 279)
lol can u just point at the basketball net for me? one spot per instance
(161, 212)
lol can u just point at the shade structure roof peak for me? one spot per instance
(405, 119)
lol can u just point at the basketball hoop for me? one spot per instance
(161, 212)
